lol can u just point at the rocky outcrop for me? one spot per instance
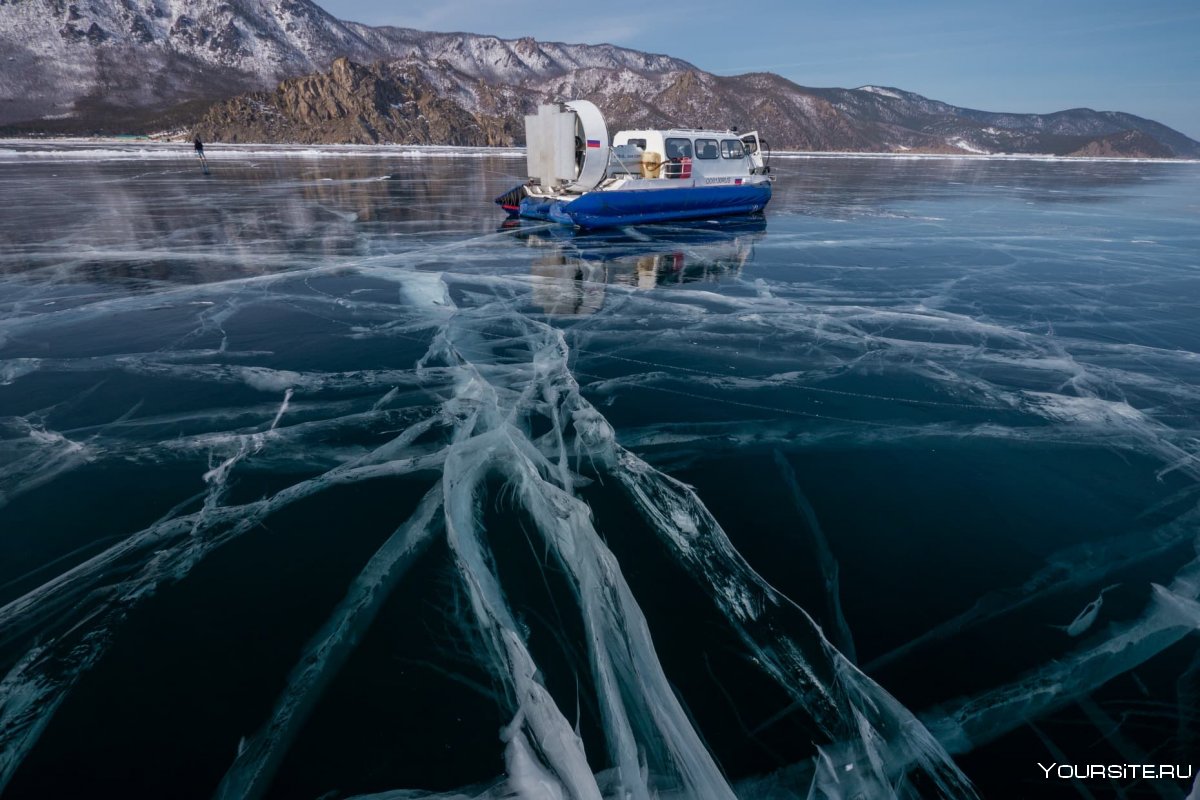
(1125, 144)
(354, 104)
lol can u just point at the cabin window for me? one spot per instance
(732, 148)
(638, 143)
(679, 148)
(706, 148)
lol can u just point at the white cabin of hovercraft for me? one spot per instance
(705, 155)
(569, 150)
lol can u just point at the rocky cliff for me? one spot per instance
(355, 104)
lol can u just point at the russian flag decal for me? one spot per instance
(593, 142)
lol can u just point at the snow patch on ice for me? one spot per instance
(270, 380)
(90, 150)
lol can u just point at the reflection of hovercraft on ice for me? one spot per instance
(577, 178)
(573, 271)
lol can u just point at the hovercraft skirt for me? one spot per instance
(601, 209)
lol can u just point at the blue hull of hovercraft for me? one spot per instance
(635, 207)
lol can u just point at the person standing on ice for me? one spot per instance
(199, 146)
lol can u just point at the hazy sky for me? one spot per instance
(1140, 56)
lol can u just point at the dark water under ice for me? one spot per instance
(318, 481)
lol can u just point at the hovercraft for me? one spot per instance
(578, 177)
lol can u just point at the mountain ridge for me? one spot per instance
(286, 70)
(371, 103)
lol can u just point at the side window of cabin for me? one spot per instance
(732, 148)
(638, 143)
(679, 148)
(706, 148)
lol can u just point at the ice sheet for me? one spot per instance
(221, 373)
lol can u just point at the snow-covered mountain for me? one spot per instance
(108, 60)
(903, 118)
(83, 58)
(265, 69)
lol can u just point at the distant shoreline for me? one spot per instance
(154, 148)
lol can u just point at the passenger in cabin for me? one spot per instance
(679, 158)
(679, 148)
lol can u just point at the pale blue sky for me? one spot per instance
(1140, 56)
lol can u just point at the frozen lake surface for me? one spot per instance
(317, 481)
